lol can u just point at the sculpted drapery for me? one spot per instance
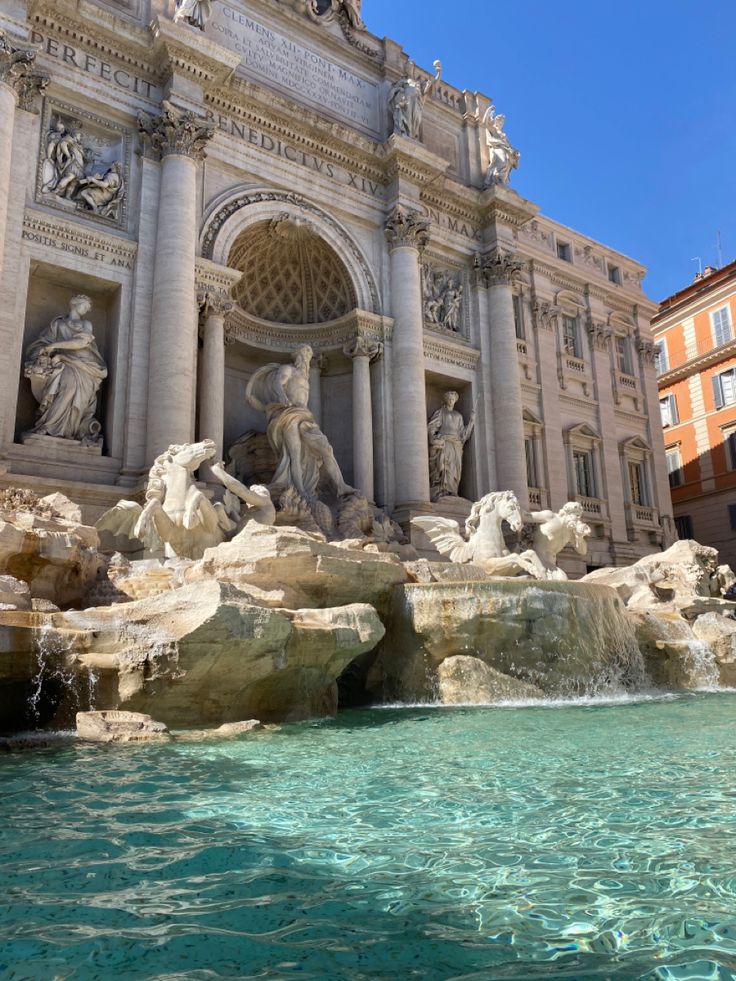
(448, 435)
(66, 370)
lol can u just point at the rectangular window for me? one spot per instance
(614, 275)
(674, 467)
(623, 355)
(730, 441)
(519, 316)
(531, 462)
(564, 251)
(668, 408)
(660, 357)
(732, 516)
(684, 527)
(638, 484)
(584, 482)
(724, 388)
(721, 320)
(571, 337)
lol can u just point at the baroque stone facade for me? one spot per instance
(243, 178)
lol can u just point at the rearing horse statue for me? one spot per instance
(177, 515)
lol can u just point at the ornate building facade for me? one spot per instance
(225, 182)
(696, 366)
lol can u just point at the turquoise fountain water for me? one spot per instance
(571, 841)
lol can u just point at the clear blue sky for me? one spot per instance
(625, 113)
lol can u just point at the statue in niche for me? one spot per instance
(66, 370)
(102, 193)
(194, 12)
(503, 158)
(281, 391)
(177, 516)
(406, 100)
(448, 435)
(443, 298)
(552, 533)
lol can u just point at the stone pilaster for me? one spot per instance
(16, 81)
(662, 495)
(500, 268)
(214, 308)
(407, 232)
(180, 138)
(361, 350)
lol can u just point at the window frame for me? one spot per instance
(671, 400)
(591, 490)
(614, 275)
(577, 347)
(719, 398)
(519, 319)
(564, 251)
(725, 309)
(624, 361)
(675, 475)
(684, 533)
(660, 345)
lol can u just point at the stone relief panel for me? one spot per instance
(84, 164)
(444, 306)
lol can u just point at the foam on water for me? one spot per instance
(592, 841)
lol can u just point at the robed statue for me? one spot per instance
(66, 370)
(448, 435)
(406, 100)
(502, 157)
(194, 12)
(303, 451)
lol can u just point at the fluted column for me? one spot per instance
(16, 80)
(214, 307)
(361, 350)
(181, 138)
(500, 268)
(408, 234)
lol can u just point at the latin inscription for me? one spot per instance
(272, 57)
(93, 65)
(118, 262)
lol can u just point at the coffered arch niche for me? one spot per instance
(243, 215)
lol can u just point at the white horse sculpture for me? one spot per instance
(484, 545)
(178, 515)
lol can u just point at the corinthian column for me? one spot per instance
(215, 307)
(500, 269)
(15, 77)
(362, 351)
(180, 138)
(407, 233)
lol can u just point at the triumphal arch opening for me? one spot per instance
(208, 208)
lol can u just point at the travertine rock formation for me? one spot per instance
(466, 680)
(120, 727)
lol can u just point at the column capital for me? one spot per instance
(600, 334)
(175, 131)
(30, 88)
(214, 303)
(16, 62)
(363, 347)
(647, 349)
(501, 267)
(407, 228)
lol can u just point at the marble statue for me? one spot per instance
(194, 12)
(102, 193)
(406, 100)
(448, 435)
(281, 391)
(351, 10)
(484, 543)
(66, 370)
(552, 533)
(443, 297)
(178, 516)
(503, 158)
(52, 167)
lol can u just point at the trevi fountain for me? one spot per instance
(332, 642)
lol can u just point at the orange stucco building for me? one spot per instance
(696, 368)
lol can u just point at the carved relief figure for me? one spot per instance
(103, 193)
(503, 158)
(448, 435)
(178, 516)
(443, 297)
(194, 12)
(281, 391)
(406, 100)
(71, 159)
(66, 370)
(553, 532)
(52, 167)
(484, 543)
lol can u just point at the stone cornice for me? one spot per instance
(362, 346)
(408, 160)
(211, 277)
(452, 352)
(180, 50)
(322, 337)
(501, 205)
(72, 236)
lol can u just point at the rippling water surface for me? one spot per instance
(577, 842)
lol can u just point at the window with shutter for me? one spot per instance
(724, 388)
(721, 320)
(668, 409)
(660, 357)
(674, 467)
